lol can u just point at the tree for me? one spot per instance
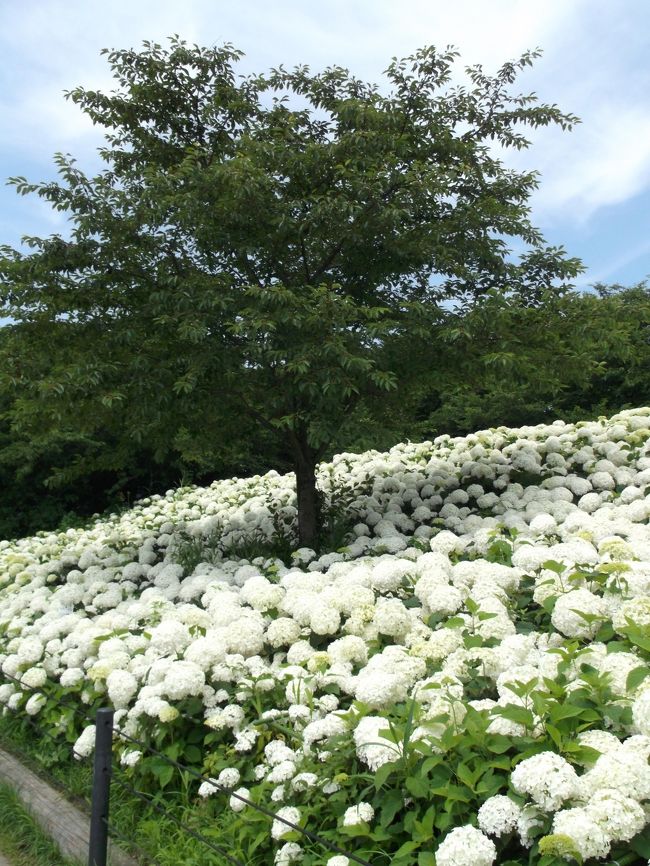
(581, 355)
(51, 478)
(257, 246)
(622, 349)
(514, 364)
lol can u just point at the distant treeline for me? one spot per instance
(588, 355)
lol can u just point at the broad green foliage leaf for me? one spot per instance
(638, 637)
(641, 843)
(636, 677)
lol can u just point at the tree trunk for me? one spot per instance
(308, 503)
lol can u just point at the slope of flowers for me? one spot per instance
(465, 682)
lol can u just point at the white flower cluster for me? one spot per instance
(412, 608)
(466, 846)
(362, 812)
(609, 801)
(547, 779)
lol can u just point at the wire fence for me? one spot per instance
(107, 774)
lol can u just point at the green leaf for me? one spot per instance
(361, 829)
(419, 788)
(565, 711)
(391, 803)
(641, 842)
(636, 677)
(553, 565)
(453, 793)
(406, 848)
(638, 638)
(498, 743)
(554, 734)
(549, 603)
(466, 776)
(605, 633)
(164, 775)
(383, 773)
(192, 754)
(519, 715)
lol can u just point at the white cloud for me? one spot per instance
(598, 69)
(606, 162)
(594, 65)
(55, 45)
(50, 47)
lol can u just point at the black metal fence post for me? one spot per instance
(98, 845)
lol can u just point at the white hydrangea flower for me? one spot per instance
(641, 711)
(85, 743)
(373, 748)
(279, 794)
(35, 704)
(207, 789)
(282, 631)
(498, 815)
(322, 729)
(567, 616)
(229, 778)
(121, 687)
(601, 741)
(34, 678)
(237, 804)
(182, 680)
(303, 781)
(619, 817)
(290, 852)
(245, 740)
(277, 752)
(246, 637)
(131, 757)
(349, 648)
(261, 594)
(547, 778)
(282, 772)
(632, 612)
(362, 812)
(379, 688)
(466, 846)
(391, 617)
(325, 620)
(586, 834)
(439, 597)
(30, 650)
(229, 717)
(287, 813)
(620, 769)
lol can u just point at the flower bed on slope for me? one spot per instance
(465, 682)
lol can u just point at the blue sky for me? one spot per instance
(594, 196)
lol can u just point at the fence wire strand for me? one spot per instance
(314, 837)
(196, 835)
(113, 831)
(52, 739)
(75, 709)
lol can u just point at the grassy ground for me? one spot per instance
(21, 839)
(155, 838)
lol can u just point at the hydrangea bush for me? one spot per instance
(464, 682)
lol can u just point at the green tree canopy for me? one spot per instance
(257, 248)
